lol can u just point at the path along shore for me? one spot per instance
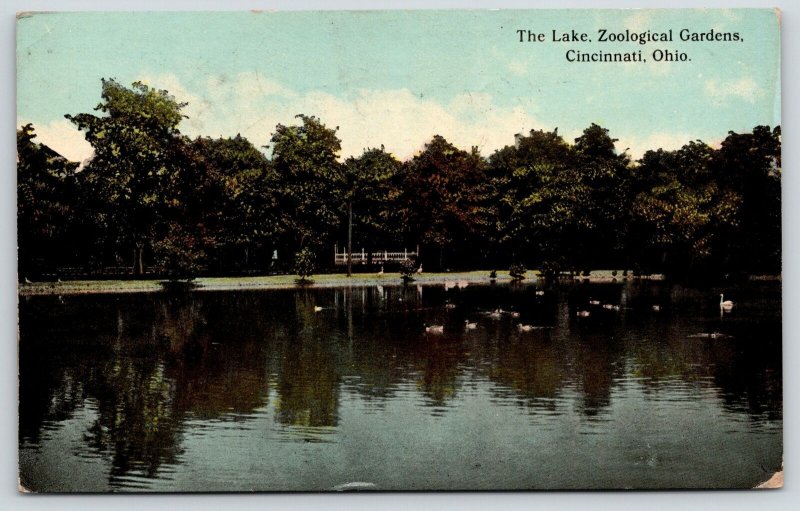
(293, 281)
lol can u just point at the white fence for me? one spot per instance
(378, 256)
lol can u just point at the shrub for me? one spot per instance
(407, 269)
(493, 274)
(517, 271)
(305, 263)
(179, 254)
(550, 269)
(613, 273)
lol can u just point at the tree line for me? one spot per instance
(152, 199)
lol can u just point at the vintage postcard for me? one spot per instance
(399, 250)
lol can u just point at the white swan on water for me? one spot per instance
(725, 305)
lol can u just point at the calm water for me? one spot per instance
(256, 390)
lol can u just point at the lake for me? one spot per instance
(263, 390)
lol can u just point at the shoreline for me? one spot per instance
(204, 284)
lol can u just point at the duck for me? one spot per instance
(540, 292)
(725, 305)
(449, 306)
(434, 329)
(470, 326)
(514, 314)
(583, 314)
(495, 314)
(610, 307)
(656, 307)
(594, 302)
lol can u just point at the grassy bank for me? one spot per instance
(287, 281)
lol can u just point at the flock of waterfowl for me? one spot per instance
(498, 313)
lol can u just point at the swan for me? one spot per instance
(594, 302)
(317, 308)
(540, 292)
(524, 328)
(381, 272)
(470, 326)
(725, 305)
(656, 307)
(434, 329)
(583, 314)
(419, 270)
(514, 314)
(611, 307)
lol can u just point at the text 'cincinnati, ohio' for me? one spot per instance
(660, 55)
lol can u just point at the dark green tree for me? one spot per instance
(310, 183)
(46, 215)
(677, 210)
(606, 175)
(370, 190)
(232, 198)
(138, 156)
(442, 203)
(749, 166)
(539, 195)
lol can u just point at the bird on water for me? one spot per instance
(724, 305)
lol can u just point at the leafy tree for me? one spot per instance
(310, 183)
(45, 209)
(540, 195)
(607, 177)
(442, 203)
(232, 196)
(138, 154)
(749, 166)
(370, 189)
(679, 211)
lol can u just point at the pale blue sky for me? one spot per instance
(398, 77)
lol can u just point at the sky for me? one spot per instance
(396, 78)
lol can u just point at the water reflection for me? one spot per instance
(158, 370)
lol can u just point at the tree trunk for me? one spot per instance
(138, 264)
(349, 238)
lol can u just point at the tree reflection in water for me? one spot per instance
(152, 366)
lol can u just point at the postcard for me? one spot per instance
(399, 250)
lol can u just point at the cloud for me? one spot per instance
(638, 145)
(252, 104)
(62, 136)
(744, 88)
